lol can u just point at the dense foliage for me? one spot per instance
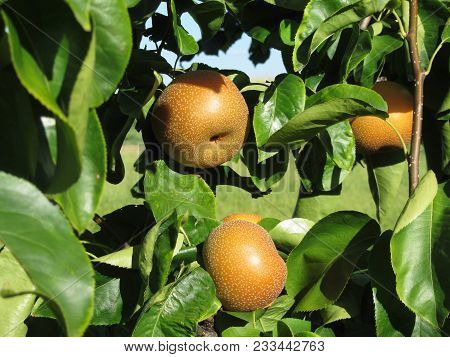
(363, 256)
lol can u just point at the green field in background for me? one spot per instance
(278, 204)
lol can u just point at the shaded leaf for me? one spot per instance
(326, 257)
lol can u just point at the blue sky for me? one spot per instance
(235, 58)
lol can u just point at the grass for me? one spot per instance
(278, 204)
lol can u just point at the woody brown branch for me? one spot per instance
(419, 77)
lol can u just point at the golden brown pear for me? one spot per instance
(201, 119)
(250, 217)
(372, 134)
(242, 260)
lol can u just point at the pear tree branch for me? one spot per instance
(419, 77)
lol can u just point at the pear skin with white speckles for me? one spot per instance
(242, 260)
(251, 217)
(201, 119)
(373, 134)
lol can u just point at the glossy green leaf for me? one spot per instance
(339, 143)
(114, 42)
(392, 317)
(185, 42)
(347, 91)
(306, 125)
(122, 258)
(353, 14)
(282, 101)
(209, 15)
(15, 309)
(325, 332)
(420, 247)
(176, 310)
(381, 46)
(287, 31)
(81, 10)
(37, 234)
(326, 257)
(316, 12)
(241, 331)
(357, 49)
(157, 252)
(167, 190)
(108, 302)
(289, 327)
(81, 200)
(423, 328)
(289, 233)
(445, 36)
(389, 183)
(268, 320)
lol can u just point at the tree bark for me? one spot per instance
(419, 77)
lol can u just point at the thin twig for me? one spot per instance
(419, 77)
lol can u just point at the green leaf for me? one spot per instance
(306, 125)
(81, 10)
(289, 233)
(167, 190)
(353, 14)
(317, 169)
(112, 29)
(348, 91)
(392, 317)
(445, 36)
(326, 257)
(290, 327)
(422, 328)
(420, 248)
(198, 229)
(353, 194)
(427, 33)
(325, 332)
(287, 31)
(357, 49)
(381, 46)
(316, 12)
(122, 258)
(339, 143)
(241, 331)
(209, 15)
(282, 101)
(108, 303)
(268, 320)
(346, 307)
(177, 309)
(446, 147)
(40, 238)
(15, 309)
(389, 183)
(159, 246)
(81, 200)
(296, 5)
(264, 171)
(185, 42)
